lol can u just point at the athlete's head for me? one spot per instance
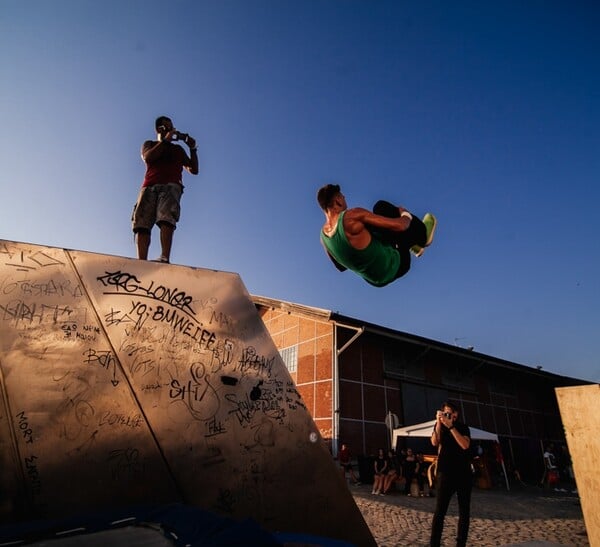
(327, 194)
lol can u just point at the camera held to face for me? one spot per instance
(447, 415)
(178, 136)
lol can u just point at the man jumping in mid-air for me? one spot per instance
(376, 245)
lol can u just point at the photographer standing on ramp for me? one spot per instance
(453, 472)
(159, 198)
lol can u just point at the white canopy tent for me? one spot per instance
(424, 430)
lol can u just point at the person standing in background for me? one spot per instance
(345, 459)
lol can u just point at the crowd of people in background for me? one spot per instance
(487, 472)
(404, 472)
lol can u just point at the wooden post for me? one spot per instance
(581, 420)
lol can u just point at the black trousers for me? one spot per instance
(447, 484)
(409, 476)
(416, 234)
(421, 479)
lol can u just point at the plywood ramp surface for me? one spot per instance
(126, 381)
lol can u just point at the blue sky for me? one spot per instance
(485, 113)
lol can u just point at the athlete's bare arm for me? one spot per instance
(357, 220)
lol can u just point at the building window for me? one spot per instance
(503, 392)
(402, 363)
(290, 358)
(458, 376)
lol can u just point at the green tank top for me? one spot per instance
(377, 264)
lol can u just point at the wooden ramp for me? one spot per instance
(126, 382)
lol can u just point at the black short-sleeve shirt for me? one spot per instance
(453, 458)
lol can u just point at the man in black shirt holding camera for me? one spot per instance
(453, 472)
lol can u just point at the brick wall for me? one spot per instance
(314, 376)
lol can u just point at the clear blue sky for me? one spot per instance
(485, 113)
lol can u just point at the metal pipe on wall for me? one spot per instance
(336, 379)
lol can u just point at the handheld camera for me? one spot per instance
(178, 136)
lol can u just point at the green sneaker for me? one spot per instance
(430, 225)
(417, 250)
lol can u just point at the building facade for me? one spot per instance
(358, 379)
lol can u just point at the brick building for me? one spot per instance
(353, 375)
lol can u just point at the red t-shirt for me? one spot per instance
(344, 456)
(168, 167)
